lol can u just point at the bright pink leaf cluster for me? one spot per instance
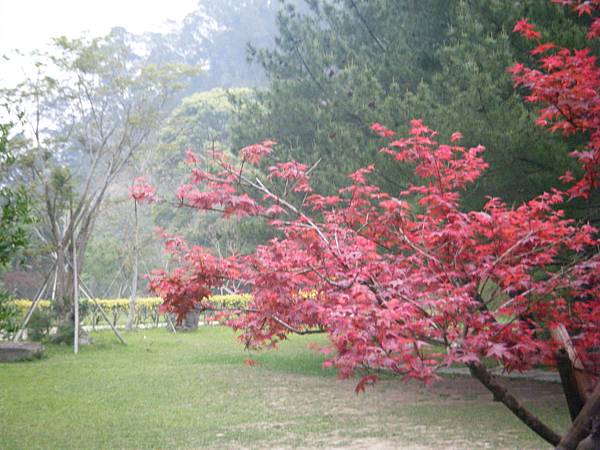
(142, 191)
(189, 286)
(256, 152)
(567, 84)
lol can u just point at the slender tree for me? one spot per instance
(92, 105)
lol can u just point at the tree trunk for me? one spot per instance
(580, 378)
(579, 428)
(134, 276)
(60, 281)
(64, 291)
(64, 233)
(480, 372)
(574, 400)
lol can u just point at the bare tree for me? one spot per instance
(91, 107)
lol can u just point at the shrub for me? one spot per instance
(147, 310)
(8, 316)
(40, 324)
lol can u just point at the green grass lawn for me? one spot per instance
(194, 391)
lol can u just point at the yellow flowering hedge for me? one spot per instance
(24, 305)
(144, 304)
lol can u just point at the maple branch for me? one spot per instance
(562, 272)
(259, 186)
(292, 208)
(294, 329)
(346, 285)
(416, 247)
(511, 249)
(276, 319)
(483, 375)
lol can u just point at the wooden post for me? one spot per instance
(86, 292)
(581, 388)
(170, 323)
(134, 277)
(34, 304)
(53, 295)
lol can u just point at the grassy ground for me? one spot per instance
(193, 390)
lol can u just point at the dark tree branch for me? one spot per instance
(480, 372)
(304, 63)
(578, 430)
(366, 25)
(569, 383)
(276, 319)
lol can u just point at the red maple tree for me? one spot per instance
(412, 283)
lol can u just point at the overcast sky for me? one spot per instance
(29, 24)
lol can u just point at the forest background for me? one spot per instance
(311, 75)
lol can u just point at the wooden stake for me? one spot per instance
(584, 381)
(86, 292)
(33, 306)
(170, 323)
(568, 380)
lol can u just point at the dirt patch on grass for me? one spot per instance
(455, 413)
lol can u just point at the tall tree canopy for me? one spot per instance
(347, 63)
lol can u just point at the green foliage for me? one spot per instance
(335, 70)
(473, 93)
(15, 205)
(40, 324)
(201, 123)
(8, 316)
(15, 215)
(64, 334)
(348, 63)
(104, 257)
(93, 106)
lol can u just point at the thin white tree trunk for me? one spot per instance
(75, 300)
(134, 276)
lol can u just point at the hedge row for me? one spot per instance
(117, 309)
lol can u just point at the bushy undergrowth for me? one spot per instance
(8, 315)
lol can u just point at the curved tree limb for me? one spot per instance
(483, 375)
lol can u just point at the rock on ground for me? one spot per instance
(20, 351)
